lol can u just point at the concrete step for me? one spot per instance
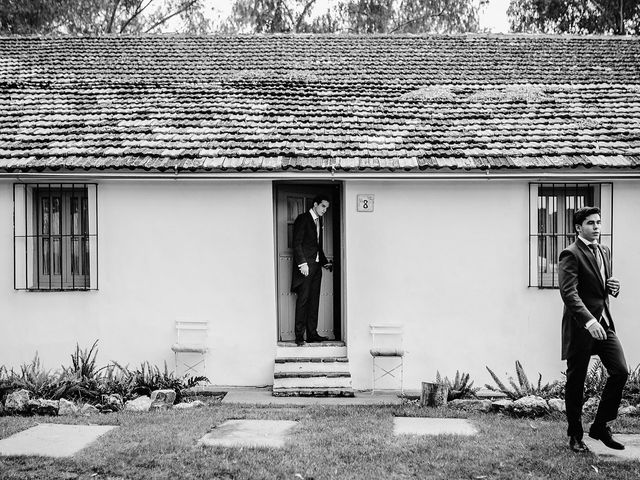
(313, 392)
(314, 374)
(311, 350)
(299, 365)
(312, 380)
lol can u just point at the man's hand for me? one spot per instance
(597, 331)
(613, 284)
(304, 269)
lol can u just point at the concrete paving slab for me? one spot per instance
(52, 440)
(249, 433)
(262, 396)
(631, 451)
(432, 426)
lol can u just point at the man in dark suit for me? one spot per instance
(588, 328)
(308, 261)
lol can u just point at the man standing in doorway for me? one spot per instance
(308, 261)
(588, 328)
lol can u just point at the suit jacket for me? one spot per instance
(306, 246)
(584, 293)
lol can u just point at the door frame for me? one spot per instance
(339, 323)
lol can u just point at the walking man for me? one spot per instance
(588, 328)
(308, 261)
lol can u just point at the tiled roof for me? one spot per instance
(352, 103)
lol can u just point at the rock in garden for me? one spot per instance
(530, 406)
(162, 399)
(501, 405)
(140, 404)
(470, 405)
(113, 402)
(65, 407)
(557, 405)
(40, 406)
(88, 409)
(488, 394)
(17, 401)
(628, 410)
(187, 405)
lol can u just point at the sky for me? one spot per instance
(493, 16)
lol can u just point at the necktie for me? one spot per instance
(317, 229)
(596, 253)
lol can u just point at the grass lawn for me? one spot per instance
(350, 442)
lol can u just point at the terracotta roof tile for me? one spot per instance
(284, 102)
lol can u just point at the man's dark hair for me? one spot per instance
(320, 197)
(581, 214)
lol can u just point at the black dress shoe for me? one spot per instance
(300, 343)
(577, 445)
(604, 435)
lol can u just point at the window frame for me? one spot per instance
(31, 232)
(568, 197)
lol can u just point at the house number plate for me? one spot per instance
(365, 202)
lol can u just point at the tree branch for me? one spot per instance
(139, 9)
(603, 12)
(186, 6)
(305, 10)
(398, 27)
(112, 17)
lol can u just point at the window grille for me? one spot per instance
(551, 228)
(55, 239)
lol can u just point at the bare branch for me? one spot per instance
(185, 6)
(398, 27)
(139, 9)
(112, 18)
(305, 10)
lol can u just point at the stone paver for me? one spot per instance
(249, 433)
(630, 441)
(52, 440)
(432, 426)
(256, 396)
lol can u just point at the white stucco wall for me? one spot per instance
(166, 250)
(449, 260)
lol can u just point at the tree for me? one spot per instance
(92, 16)
(617, 17)
(355, 16)
(406, 16)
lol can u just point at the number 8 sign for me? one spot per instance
(365, 202)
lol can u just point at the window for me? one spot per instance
(551, 224)
(55, 236)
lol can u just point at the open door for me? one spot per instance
(291, 201)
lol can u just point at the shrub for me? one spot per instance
(461, 387)
(83, 380)
(524, 387)
(148, 378)
(631, 390)
(34, 378)
(595, 380)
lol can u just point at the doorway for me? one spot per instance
(292, 199)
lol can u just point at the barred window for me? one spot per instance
(55, 236)
(552, 206)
